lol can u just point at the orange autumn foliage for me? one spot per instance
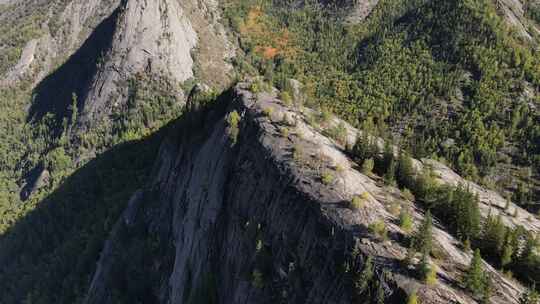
(268, 43)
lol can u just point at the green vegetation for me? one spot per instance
(233, 120)
(327, 177)
(405, 220)
(423, 239)
(367, 166)
(412, 299)
(364, 277)
(404, 67)
(530, 297)
(379, 229)
(338, 133)
(257, 279)
(427, 271)
(358, 202)
(475, 278)
(366, 287)
(532, 10)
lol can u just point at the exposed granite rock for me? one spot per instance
(253, 222)
(93, 48)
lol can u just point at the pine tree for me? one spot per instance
(388, 156)
(405, 173)
(493, 237)
(423, 238)
(360, 148)
(363, 279)
(425, 189)
(428, 272)
(507, 253)
(488, 292)
(475, 279)
(390, 174)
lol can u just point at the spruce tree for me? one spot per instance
(388, 156)
(405, 173)
(488, 292)
(390, 174)
(423, 238)
(474, 279)
(360, 148)
(494, 234)
(363, 278)
(428, 272)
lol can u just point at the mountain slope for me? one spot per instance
(263, 195)
(253, 220)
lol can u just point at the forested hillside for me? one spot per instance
(88, 92)
(450, 80)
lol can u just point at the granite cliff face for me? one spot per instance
(248, 201)
(249, 219)
(102, 45)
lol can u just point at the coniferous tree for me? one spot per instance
(390, 174)
(493, 237)
(405, 220)
(364, 277)
(488, 292)
(474, 279)
(428, 272)
(388, 157)
(360, 148)
(405, 173)
(422, 241)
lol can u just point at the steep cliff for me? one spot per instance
(255, 198)
(93, 49)
(241, 212)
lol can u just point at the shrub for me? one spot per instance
(405, 220)
(413, 298)
(430, 276)
(327, 178)
(284, 131)
(268, 111)
(367, 166)
(257, 86)
(233, 120)
(286, 98)
(407, 194)
(379, 229)
(357, 202)
(338, 133)
(325, 115)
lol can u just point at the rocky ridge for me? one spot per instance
(223, 203)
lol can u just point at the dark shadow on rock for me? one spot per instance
(51, 253)
(54, 94)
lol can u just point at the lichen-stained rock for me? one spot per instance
(266, 218)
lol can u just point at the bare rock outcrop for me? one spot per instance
(92, 49)
(248, 214)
